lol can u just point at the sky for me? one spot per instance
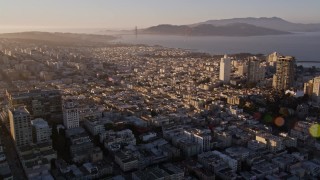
(124, 14)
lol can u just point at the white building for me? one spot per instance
(40, 130)
(70, 115)
(225, 69)
(20, 126)
(201, 137)
(95, 126)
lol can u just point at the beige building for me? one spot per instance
(273, 143)
(242, 69)
(312, 88)
(20, 126)
(272, 58)
(233, 100)
(316, 90)
(308, 88)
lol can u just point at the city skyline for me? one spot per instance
(171, 89)
(127, 14)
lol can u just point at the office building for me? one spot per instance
(70, 115)
(225, 69)
(40, 130)
(20, 126)
(285, 73)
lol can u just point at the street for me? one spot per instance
(11, 155)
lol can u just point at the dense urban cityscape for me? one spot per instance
(149, 112)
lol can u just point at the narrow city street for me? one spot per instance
(12, 156)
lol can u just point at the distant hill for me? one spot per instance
(59, 38)
(234, 29)
(272, 23)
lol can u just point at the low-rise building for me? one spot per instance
(36, 159)
(112, 139)
(95, 125)
(274, 143)
(166, 171)
(126, 161)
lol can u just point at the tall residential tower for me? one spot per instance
(225, 69)
(256, 70)
(285, 72)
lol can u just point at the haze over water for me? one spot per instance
(304, 46)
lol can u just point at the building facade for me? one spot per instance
(70, 115)
(256, 71)
(40, 103)
(40, 130)
(201, 137)
(225, 69)
(20, 126)
(285, 73)
(316, 90)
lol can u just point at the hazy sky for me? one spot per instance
(143, 13)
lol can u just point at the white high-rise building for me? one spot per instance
(70, 115)
(40, 130)
(225, 69)
(20, 126)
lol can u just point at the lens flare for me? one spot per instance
(267, 118)
(279, 121)
(314, 130)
